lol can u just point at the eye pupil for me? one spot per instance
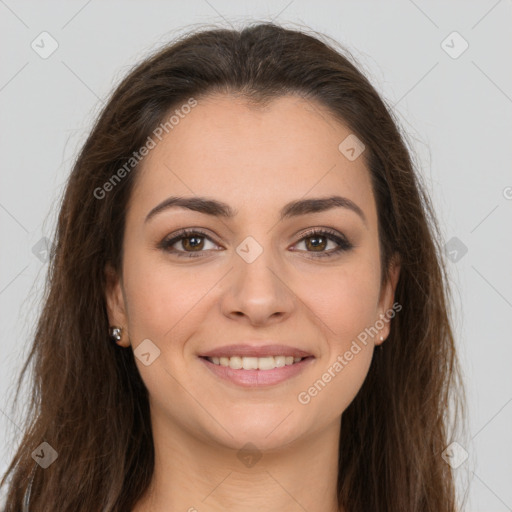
(193, 242)
(315, 244)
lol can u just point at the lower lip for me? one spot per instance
(258, 378)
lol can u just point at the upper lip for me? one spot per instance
(251, 350)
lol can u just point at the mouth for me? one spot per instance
(253, 349)
(266, 363)
(250, 366)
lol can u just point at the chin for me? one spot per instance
(265, 432)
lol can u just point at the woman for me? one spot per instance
(247, 307)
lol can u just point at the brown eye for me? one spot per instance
(325, 243)
(188, 243)
(192, 243)
(316, 243)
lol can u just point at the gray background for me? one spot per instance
(456, 111)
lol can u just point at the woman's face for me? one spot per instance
(257, 277)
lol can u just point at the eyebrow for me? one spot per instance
(292, 209)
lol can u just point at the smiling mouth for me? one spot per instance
(255, 363)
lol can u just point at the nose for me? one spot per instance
(257, 292)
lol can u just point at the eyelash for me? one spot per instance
(344, 245)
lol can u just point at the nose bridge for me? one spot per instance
(256, 289)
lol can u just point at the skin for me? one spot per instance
(255, 160)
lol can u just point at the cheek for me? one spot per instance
(341, 380)
(161, 299)
(345, 299)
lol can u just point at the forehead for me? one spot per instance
(246, 156)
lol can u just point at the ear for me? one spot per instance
(116, 308)
(387, 297)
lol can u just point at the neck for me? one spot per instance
(194, 475)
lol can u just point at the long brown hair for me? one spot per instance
(88, 400)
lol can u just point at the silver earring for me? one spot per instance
(115, 334)
(382, 338)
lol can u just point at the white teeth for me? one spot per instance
(280, 361)
(236, 363)
(249, 363)
(265, 363)
(255, 363)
